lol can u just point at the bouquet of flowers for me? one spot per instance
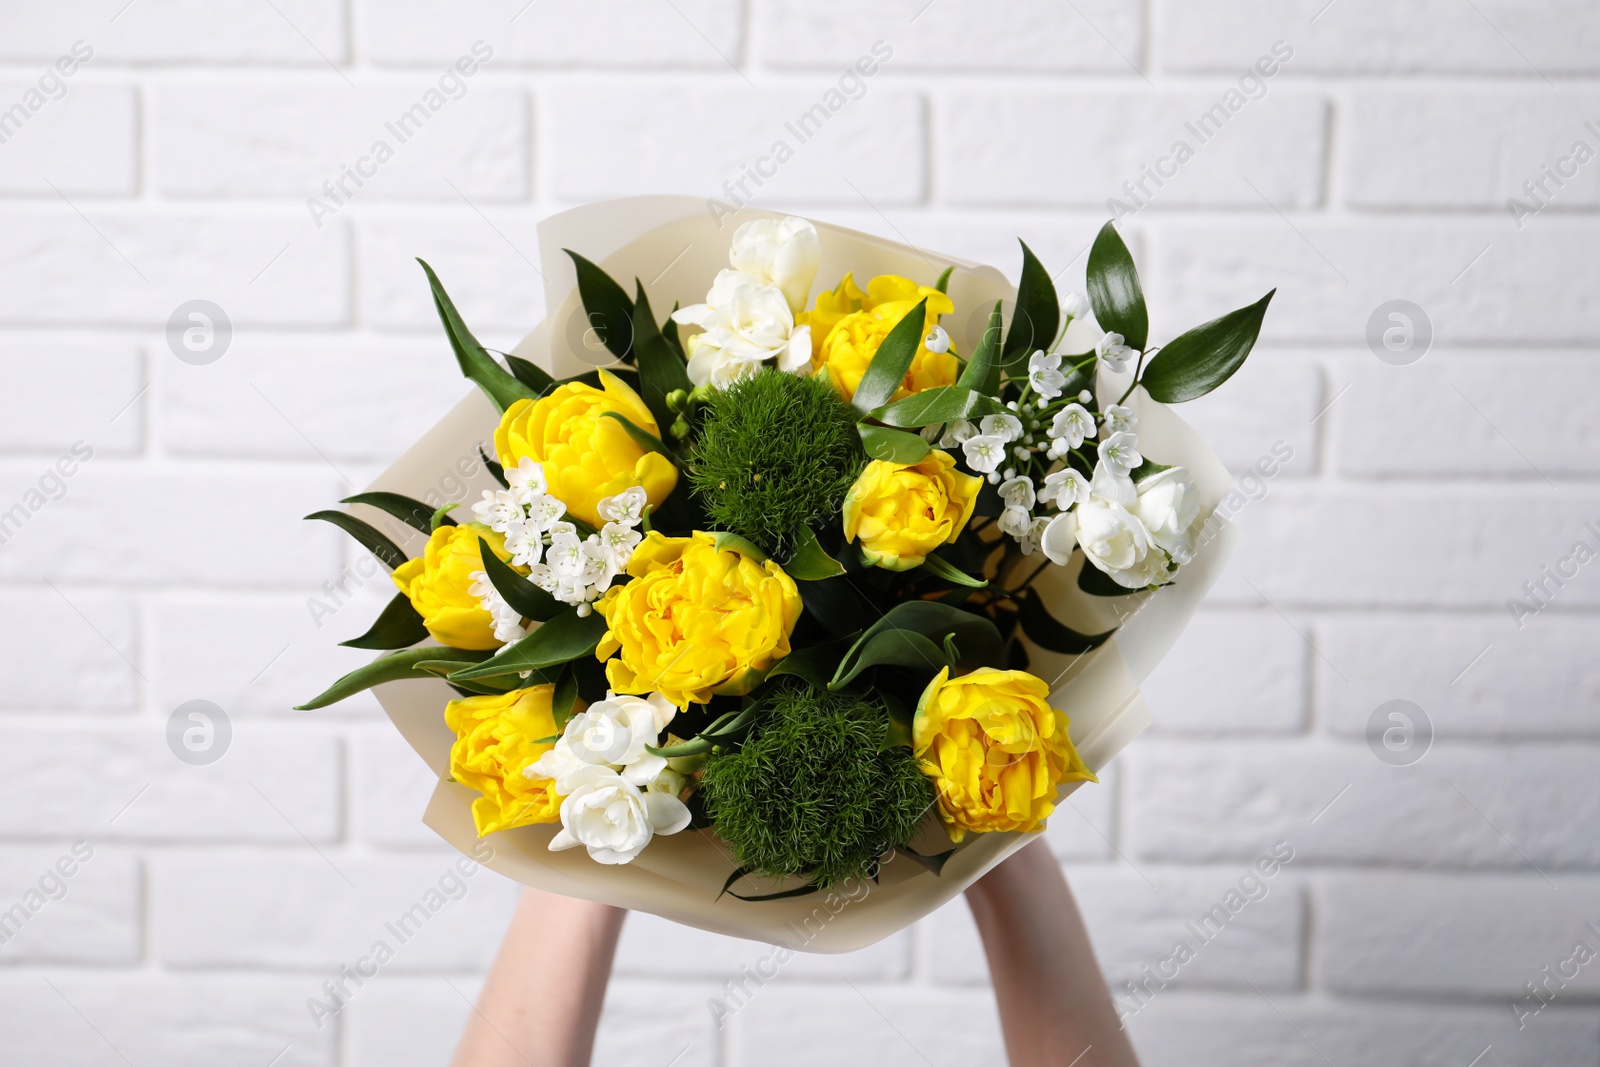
(771, 589)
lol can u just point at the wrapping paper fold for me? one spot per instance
(675, 246)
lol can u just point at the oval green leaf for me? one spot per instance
(1197, 361)
(1114, 290)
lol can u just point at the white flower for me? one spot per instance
(528, 474)
(617, 542)
(1073, 423)
(745, 322)
(507, 621)
(1072, 305)
(1168, 505)
(957, 432)
(1060, 537)
(626, 507)
(1030, 540)
(937, 340)
(1112, 486)
(1044, 374)
(779, 252)
(1064, 488)
(498, 510)
(1006, 427)
(984, 452)
(1018, 492)
(1120, 452)
(613, 818)
(1113, 353)
(1120, 418)
(1015, 522)
(566, 556)
(525, 542)
(610, 733)
(544, 512)
(1114, 540)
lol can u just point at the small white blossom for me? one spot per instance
(937, 340)
(1060, 537)
(525, 542)
(1085, 396)
(1030, 540)
(984, 452)
(1015, 522)
(619, 541)
(544, 512)
(1006, 427)
(1064, 488)
(932, 433)
(1044, 374)
(498, 510)
(1018, 492)
(1120, 418)
(957, 432)
(626, 507)
(1120, 452)
(527, 474)
(1073, 423)
(1113, 353)
(1072, 305)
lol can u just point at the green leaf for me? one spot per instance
(642, 437)
(887, 371)
(565, 697)
(495, 469)
(890, 648)
(943, 284)
(808, 888)
(1114, 290)
(398, 626)
(1198, 360)
(836, 604)
(943, 568)
(497, 383)
(1146, 469)
(607, 305)
(661, 368)
(733, 542)
(933, 406)
(563, 638)
(530, 374)
(525, 598)
(894, 446)
(982, 372)
(1037, 314)
(932, 621)
(934, 863)
(1043, 629)
(443, 668)
(811, 562)
(815, 664)
(669, 332)
(1096, 582)
(390, 668)
(441, 517)
(413, 513)
(373, 541)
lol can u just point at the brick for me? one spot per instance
(238, 528)
(77, 138)
(73, 389)
(1261, 419)
(489, 265)
(99, 650)
(177, 1022)
(1459, 806)
(467, 134)
(1333, 275)
(1428, 149)
(263, 659)
(1080, 148)
(1411, 544)
(1370, 36)
(324, 912)
(308, 398)
(142, 265)
(617, 142)
(1395, 932)
(656, 947)
(1460, 414)
(1136, 924)
(701, 33)
(1231, 672)
(298, 32)
(1247, 1030)
(79, 904)
(1099, 35)
(127, 785)
(390, 789)
(1471, 676)
(865, 1024)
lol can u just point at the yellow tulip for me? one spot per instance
(695, 621)
(995, 748)
(586, 455)
(903, 511)
(439, 585)
(496, 738)
(847, 326)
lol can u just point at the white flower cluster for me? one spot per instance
(574, 570)
(616, 796)
(749, 315)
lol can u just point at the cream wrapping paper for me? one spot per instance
(676, 247)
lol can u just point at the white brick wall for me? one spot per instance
(1374, 164)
